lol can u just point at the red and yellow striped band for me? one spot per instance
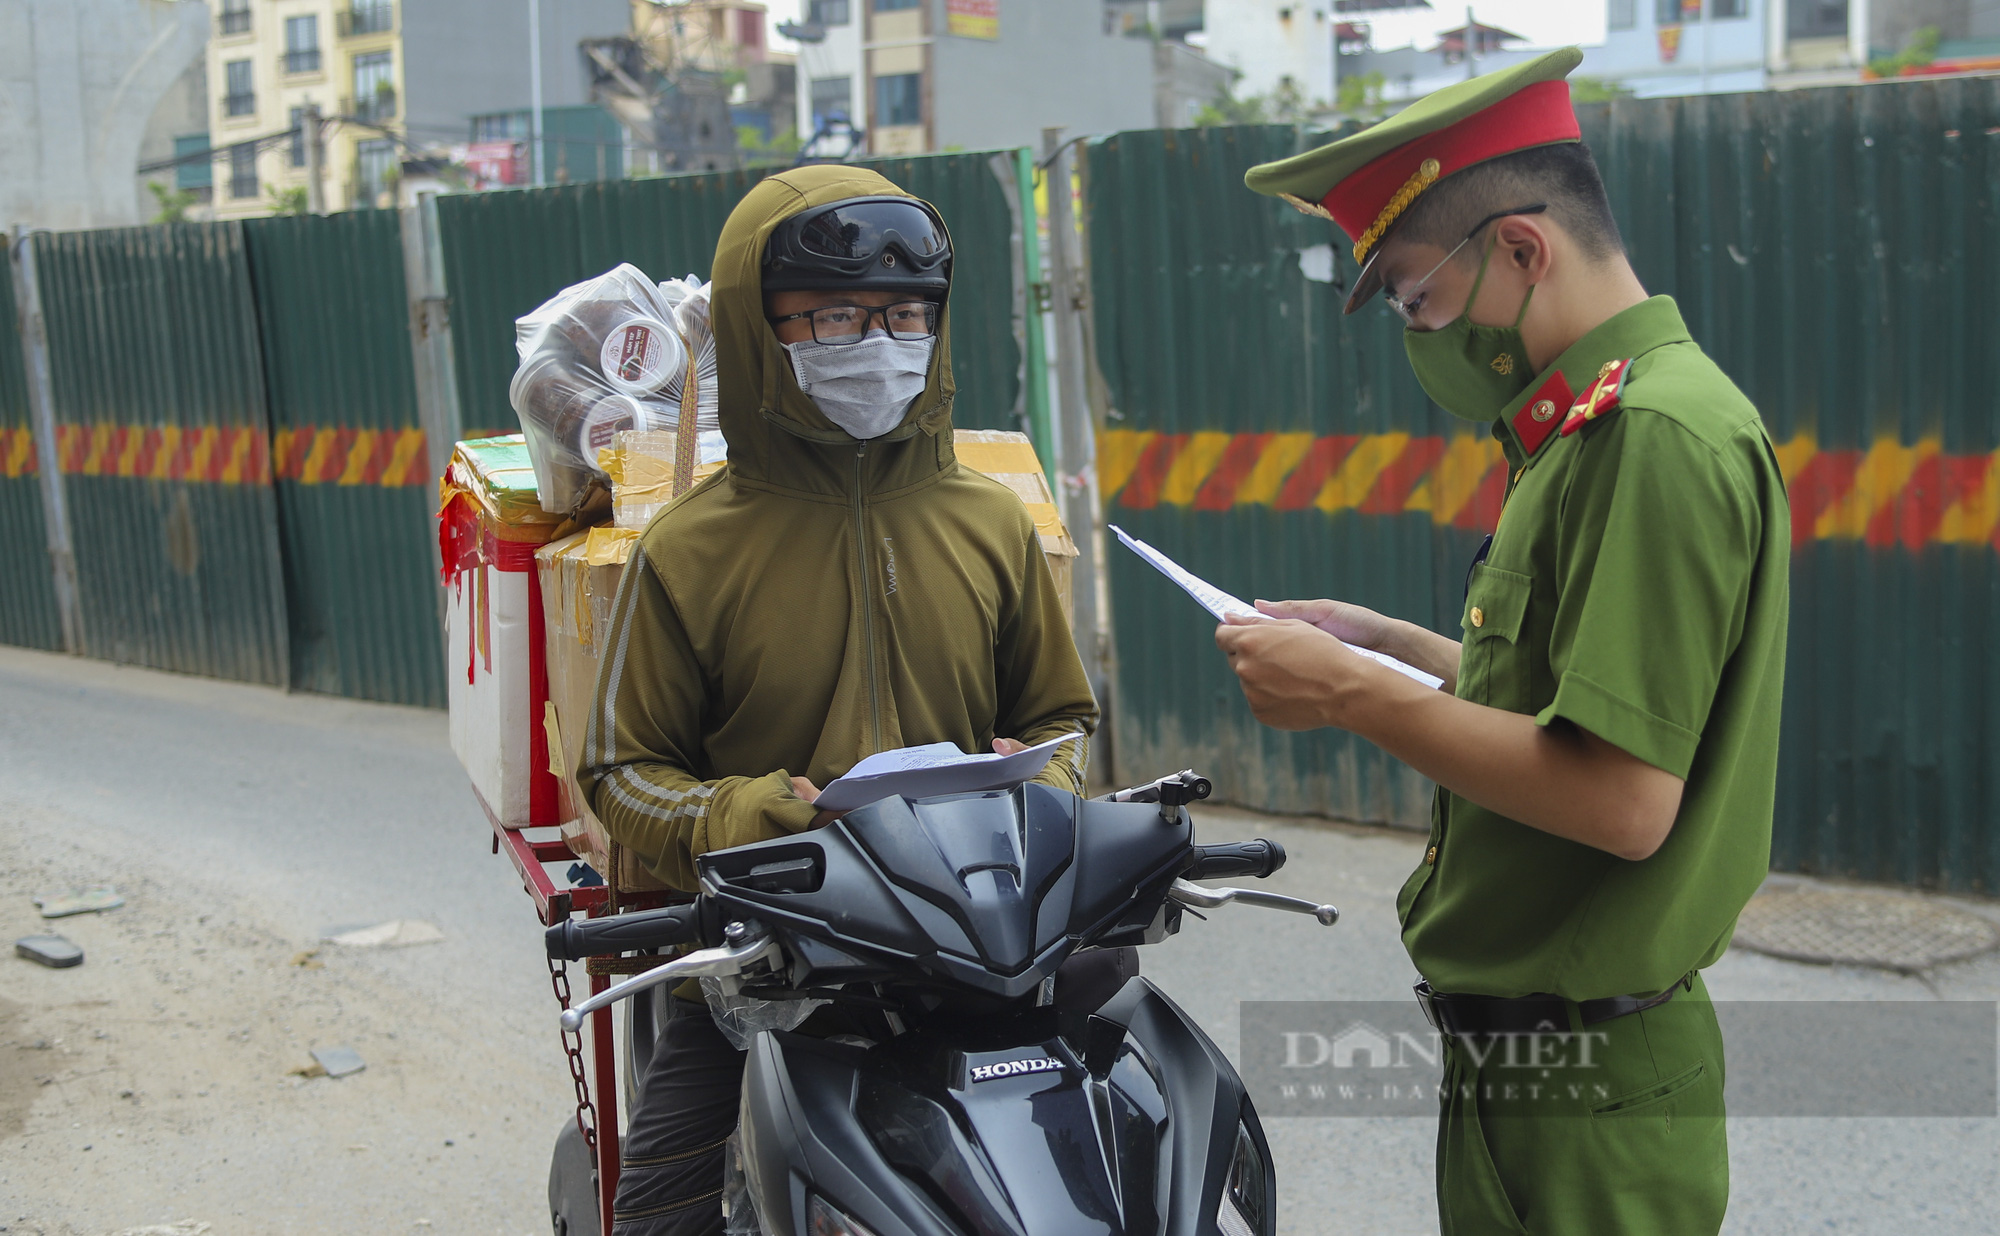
(227, 455)
(1887, 495)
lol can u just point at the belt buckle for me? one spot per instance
(1428, 1004)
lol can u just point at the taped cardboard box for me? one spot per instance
(578, 581)
(640, 463)
(1010, 459)
(489, 526)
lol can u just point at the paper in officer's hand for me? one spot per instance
(933, 769)
(1225, 606)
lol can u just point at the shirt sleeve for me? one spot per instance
(1656, 551)
(1043, 691)
(642, 749)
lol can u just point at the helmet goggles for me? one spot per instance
(862, 242)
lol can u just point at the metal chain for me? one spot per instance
(586, 1114)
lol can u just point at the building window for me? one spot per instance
(1621, 14)
(195, 173)
(832, 99)
(1668, 12)
(899, 99)
(373, 159)
(243, 170)
(501, 127)
(239, 97)
(374, 86)
(827, 13)
(368, 17)
(890, 6)
(1722, 9)
(302, 44)
(1816, 19)
(234, 17)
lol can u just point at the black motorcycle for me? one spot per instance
(1019, 1079)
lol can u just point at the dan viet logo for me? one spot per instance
(1013, 1068)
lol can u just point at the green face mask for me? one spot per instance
(1471, 371)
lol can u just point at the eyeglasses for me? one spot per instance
(1406, 306)
(843, 324)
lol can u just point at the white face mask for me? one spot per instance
(863, 387)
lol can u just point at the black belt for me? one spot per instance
(1461, 1015)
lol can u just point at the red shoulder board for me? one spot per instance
(1600, 397)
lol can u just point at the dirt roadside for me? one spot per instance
(158, 1082)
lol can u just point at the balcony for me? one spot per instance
(377, 107)
(300, 60)
(239, 104)
(234, 21)
(367, 19)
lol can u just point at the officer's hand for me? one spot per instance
(1364, 628)
(1294, 676)
(1009, 746)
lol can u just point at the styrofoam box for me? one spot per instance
(493, 647)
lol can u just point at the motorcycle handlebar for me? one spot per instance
(1255, 859)
(573, 940)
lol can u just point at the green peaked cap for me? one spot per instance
(1313, 174)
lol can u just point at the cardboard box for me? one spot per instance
(489, 526)
(579, 580)
(640, 463)
(1010, 459)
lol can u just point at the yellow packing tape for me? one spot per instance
(996, 457)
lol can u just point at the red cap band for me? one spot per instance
(1537, 115)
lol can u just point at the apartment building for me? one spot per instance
(927, 75)
(391, 80)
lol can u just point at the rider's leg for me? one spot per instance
(670, 1177)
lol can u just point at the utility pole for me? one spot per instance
(314, 135)
(1471, 29)
(535, 84)
(1705, 5)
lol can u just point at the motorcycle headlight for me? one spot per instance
(823, 1218)
(1246, 1206)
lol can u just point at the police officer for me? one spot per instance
(1605, 745)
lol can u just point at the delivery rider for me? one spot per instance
(841, 588)
(1606, 742)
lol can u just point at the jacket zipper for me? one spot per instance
(867, 597)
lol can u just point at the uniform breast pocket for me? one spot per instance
(1495, 668)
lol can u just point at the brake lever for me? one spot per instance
(724, 962)
(1191, 894)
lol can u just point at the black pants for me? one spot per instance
(670, 1177)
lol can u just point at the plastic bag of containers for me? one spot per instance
(613, 353)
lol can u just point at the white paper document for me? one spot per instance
(937, 768)
(1221, 604)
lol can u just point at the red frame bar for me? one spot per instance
(553, 904)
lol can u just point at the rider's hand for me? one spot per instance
(810, 792)
(1009, 746)
(1364, 628)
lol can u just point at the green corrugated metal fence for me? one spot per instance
(158, 385)
(353, 482)
(506, 253)
(28, 615)
(1837, 252)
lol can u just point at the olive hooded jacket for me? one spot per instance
(818, 600)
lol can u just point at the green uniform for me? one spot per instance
(1636, 587)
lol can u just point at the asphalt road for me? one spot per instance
(156, 1083)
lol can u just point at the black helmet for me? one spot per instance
(861, 242)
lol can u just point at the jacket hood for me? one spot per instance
(778, 437)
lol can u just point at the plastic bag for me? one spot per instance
(741, 1018)
(607, 355)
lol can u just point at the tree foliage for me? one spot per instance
(174, 203)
